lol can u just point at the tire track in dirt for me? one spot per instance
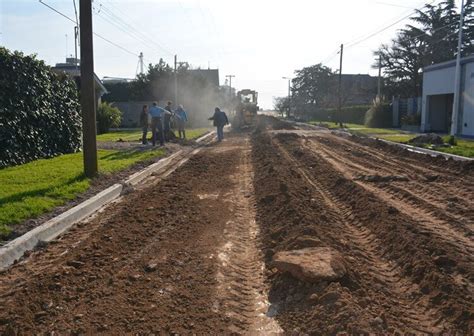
(400, 160)
(439, 268)
(242, 292)
(405, 201)
(141, 267)
(417, 315)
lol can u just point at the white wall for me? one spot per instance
(467, 125)
(435, 82)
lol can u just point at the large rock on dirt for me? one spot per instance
(311, 264)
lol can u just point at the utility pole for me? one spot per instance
(140, 58)
(379, 84)
(76, 35)
(88, 102)
(176, 65)
(457, 77)
(339, 105)
(230, 86)
(176, 80)
(289, 95)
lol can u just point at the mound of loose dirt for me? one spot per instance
(427, 139)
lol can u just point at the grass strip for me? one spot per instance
(37, 187)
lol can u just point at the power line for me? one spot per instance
(106, 19)
(99, 36)
(138, 33)
(363, 39)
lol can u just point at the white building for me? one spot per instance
(438, 96)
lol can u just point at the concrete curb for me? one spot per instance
(143, 174)
(426, 151)
(410, 148)
(48, 231)
(54, 227)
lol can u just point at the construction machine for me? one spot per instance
(246, 109)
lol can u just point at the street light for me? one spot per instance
(289, 94)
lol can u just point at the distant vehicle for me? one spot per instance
(246, 110)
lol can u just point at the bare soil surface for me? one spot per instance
(181, 257)
(405, 228)
(191, 252)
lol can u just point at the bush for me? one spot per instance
(412, 119)
(39, 110)
(107, 116)
(379, 114)
(452, 140)
(349, 114)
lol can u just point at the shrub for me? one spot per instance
(39, 110)
(379, 114)
(349, 114)
(107, 116)
(412, 119)
(452, 140)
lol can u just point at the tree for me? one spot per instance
(313, 87)
(281, 104)
(432, 38)
(403, 61)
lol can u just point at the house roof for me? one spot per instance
(448, 64)
(75, 71)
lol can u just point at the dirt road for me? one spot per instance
(191, 253)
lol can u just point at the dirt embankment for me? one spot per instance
(410, 270)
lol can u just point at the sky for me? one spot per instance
(257, 41)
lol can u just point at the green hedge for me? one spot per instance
(379, 115)
(108, 116)
(39, 110)
(349, 114)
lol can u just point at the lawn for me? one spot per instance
(136, 135)
(463, 147)
(34, 188)
(358, 128)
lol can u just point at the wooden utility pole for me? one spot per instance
(339, 105)
(88, 101)
(230, 86)
(140, 60)
(176, 80)
(379, 84)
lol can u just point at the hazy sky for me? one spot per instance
(257, 41)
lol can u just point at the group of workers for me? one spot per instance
(161, 122)
(161, 119)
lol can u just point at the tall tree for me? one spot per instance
(432, 38)
(402, 62)
(313, 87)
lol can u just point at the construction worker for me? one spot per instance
(144, 123)
(181, 118)
(167, 121)
(157, 115)
(220, 120)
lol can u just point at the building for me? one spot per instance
(438, 97)
(211, 75)
(73, 69)
(358, 89)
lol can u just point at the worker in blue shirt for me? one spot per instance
(157, 114)
(181, 118)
